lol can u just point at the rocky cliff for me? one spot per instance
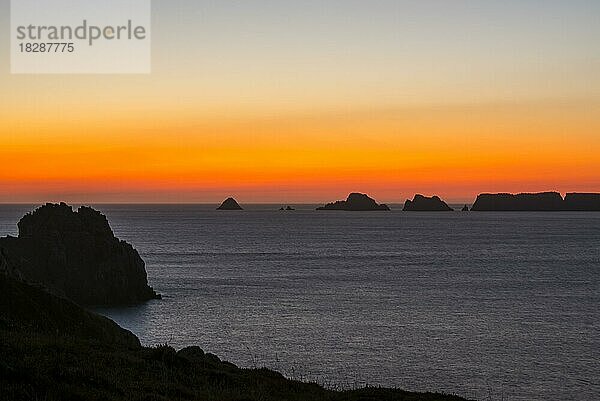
(540, 202)
(75, 254)
(355, 203)
(36, 310)
(545, 201)
(421, 203)
(582, 202)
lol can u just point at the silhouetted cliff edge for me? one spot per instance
(421, 203)
(355, 203)
(540, 202)
(37, 311)
(51, 349)
(75, 254)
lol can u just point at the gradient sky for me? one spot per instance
(305, 101)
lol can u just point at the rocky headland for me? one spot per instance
(355, 202)
(76, 255)
(422, 203)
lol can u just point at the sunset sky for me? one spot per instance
(305, 101)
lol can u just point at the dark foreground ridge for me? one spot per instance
(51, 349)
(421, 203)
(355, 203)
(75, 254)
(538, 202)
(230, 204)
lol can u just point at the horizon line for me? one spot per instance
(284, 203)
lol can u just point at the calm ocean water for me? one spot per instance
(485, 305)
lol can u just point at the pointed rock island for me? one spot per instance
(75, 254)
(422, 203)
(230, 204)
(355, 202)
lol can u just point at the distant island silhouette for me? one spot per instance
(536, 202)
(485, 202)
(230, 204)
(586, 202)
(356, 202)
(421, 203)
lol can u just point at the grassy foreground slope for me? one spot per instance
(51, 349)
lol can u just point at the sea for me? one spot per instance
(489, 306)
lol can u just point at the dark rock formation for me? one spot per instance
(76, 255)
(465, 208)
(38, 311)
(356, 203)
(421, 203)
(582, 202)
(230, 204)
(546, 201)
(289, 208)
(7, 268)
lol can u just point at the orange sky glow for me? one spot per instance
(455, 151)
(452, 100)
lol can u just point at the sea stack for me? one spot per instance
(355, 202)
(465, 208)
(76, 255)
(230, 204)
(422, 203)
